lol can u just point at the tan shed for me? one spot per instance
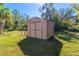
(40, 28)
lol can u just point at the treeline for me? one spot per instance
(19, 21)
(65, 19)
(12, 19)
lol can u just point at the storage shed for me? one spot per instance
(40, 28)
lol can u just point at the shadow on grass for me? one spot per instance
(37, 47)
(67, 36)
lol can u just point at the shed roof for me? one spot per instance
(38, 19)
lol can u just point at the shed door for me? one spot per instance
(38, 30)
(32, 29)
(35, 30)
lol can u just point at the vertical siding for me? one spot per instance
(28, 28)
(50, 29)
(42, 29)
(38, 30)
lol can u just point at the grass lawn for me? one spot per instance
(16, 43)
(70, 43)
(8, 43)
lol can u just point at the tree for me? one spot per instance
(5, 15)
(66, 13)
(9, 21)
(47, 11)
(20, 20)
(16, 18)
(75, 7)
(66, 16)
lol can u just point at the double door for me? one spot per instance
(36, 30)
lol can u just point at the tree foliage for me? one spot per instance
(63, 18)
(5, 16)
(12, 19)
(46, 11)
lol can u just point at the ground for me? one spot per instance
(8, 43)
(70, 42)
(16, 43)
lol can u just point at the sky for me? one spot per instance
(32, 9)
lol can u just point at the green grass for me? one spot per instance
(70, 43)
(8, 43)
(15, 43)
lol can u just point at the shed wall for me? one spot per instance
(41, 29)
(35, 29)
(44, 29)
(50, 29)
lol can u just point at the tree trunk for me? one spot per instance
(1, 27)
